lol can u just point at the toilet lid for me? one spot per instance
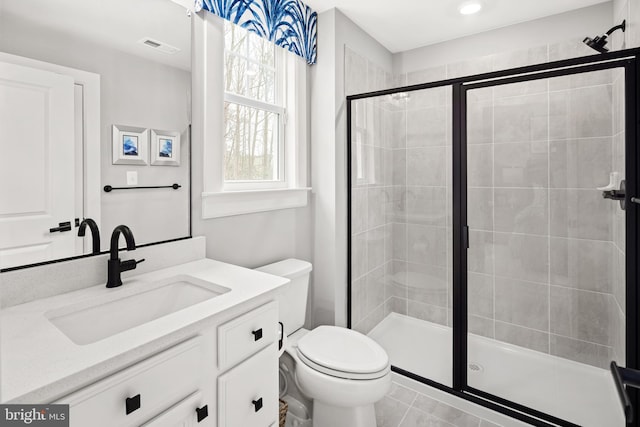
(343, 352)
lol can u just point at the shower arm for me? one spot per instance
(622, 27)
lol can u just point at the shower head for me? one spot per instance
(599, 43)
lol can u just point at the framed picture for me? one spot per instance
(130, 145)
(165, 148)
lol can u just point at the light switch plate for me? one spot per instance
(132, 178)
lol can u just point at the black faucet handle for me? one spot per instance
(130, 264)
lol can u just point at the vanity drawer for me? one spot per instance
(190, 412)
(248, 393)
(245, 335)
(145, 389)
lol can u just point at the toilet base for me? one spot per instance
(336, 416)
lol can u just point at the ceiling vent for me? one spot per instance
(159, 46)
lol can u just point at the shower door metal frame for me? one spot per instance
(627, 59)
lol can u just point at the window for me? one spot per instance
(254, 123)
(254, 113)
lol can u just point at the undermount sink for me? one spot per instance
(104, 317)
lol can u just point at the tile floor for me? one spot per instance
(404, 407)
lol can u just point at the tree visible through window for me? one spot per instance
(253, 111)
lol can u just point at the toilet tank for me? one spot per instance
(292, 300)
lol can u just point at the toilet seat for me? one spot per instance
(343, 353)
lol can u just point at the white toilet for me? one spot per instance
(344, 372)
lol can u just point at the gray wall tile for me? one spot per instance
(521, 119)
(580, 113)
(582, 214)
(521, 165)
(426, 205)
(395, 305)
(522, 303)
(426, 166)
(522, 210)
(481, 326)
(582, 264)
(374, 290)
(480, 291)
(521, 256)
(427, 284)
(581, 315)
(480, 253)
(427, 245)
(479, 122)
(522, 337)
(583, 163)
(480, 165)
(480, 216)
(581, 351)
(395, 283)
(430, 313)
(427, 127)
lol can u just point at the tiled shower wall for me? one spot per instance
(371, 191)
(546, 249)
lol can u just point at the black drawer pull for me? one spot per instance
(132, 403)
(257, 404)
(257, 334)
(202, 412)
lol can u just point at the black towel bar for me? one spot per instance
(108, 188)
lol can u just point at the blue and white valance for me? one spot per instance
(290, 24)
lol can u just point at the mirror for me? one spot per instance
(94, 96)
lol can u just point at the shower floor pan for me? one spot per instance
(573, 391)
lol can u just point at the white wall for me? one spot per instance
(577, 24)
(328, 159)
(629, 10)
(248, 240)
(135, 92)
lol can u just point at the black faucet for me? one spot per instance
(95, 233)
(114, 265)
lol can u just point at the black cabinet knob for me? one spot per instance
(202, 412)
(257, 334)
(132, 403)
(257, 404)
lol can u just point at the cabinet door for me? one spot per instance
(191, 412)
(248, 394)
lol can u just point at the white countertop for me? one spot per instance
(40, 363)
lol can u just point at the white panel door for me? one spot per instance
(37, 188)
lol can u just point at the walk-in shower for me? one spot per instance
(487, 253)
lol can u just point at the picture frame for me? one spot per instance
(165, 148)
(130, 145)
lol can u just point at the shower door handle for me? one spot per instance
(465, 237)
(623, 377)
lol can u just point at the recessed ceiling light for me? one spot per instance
(469, 8)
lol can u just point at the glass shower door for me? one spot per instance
(546, 259)
(400, 232)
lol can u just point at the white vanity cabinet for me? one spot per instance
(158, 390)
(248, 392)
(225, 377)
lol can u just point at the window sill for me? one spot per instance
(230, 203)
